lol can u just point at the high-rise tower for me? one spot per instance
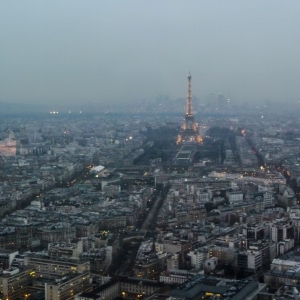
(189, 131)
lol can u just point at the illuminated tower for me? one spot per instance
(189, 130)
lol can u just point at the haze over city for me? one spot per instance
(119, 52)
(149, 150)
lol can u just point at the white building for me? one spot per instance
(284, 246)
(197, 258)
(254, 259)
(210, 264)
(268, 199)
(284, 265)
(173, 262)
(235, 196)
(281, 230)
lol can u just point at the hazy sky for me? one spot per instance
(107, 50)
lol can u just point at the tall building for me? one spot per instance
(14, 283)
(281, 229)
(189, 130)
(254, 231)
(249, 260)
(66, 287)
(51, 267)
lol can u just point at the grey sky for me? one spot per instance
(79, 51)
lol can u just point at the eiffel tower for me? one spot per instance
(189, 129)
